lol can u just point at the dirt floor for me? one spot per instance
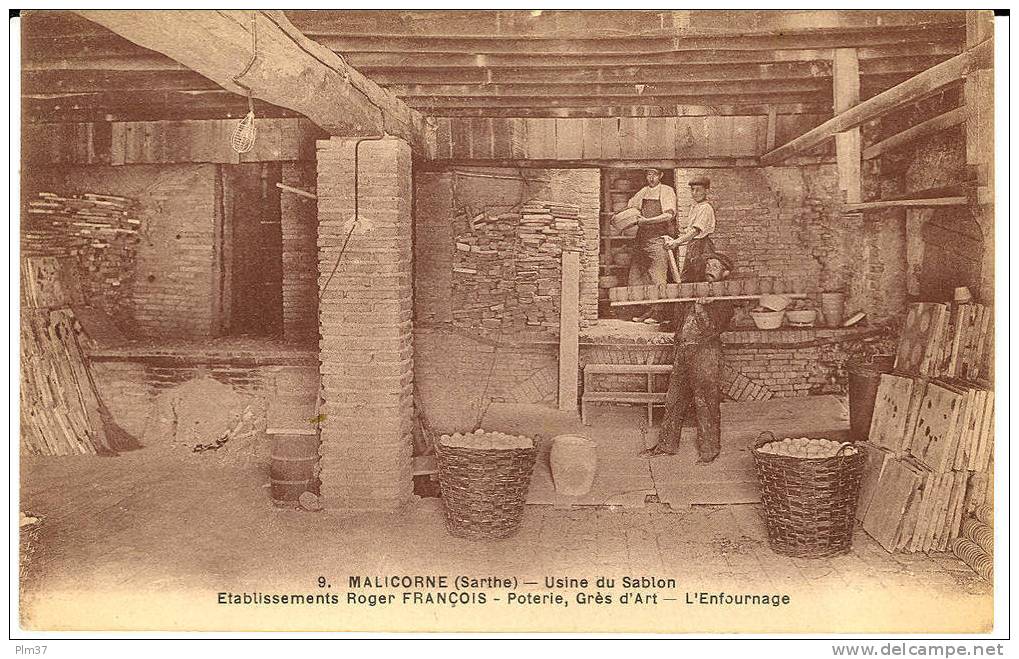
(153, 538)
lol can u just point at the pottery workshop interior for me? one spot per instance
(534, 290)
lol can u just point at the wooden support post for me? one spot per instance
(769, 140)
(846, 74)
(569, 331)
(918, 87)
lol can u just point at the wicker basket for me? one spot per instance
(484, 490)
(809, 503)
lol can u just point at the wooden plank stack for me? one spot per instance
(933, 430)
(506, 267)
(99, 231)
(60, 412)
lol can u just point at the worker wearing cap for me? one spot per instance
(657, 205)
(697, 362)
(698, 224)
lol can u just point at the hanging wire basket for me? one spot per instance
(243, 138)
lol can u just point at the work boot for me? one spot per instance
(706, 459)
(658, 449)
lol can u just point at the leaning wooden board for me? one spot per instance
(875, 459)
(891, 498)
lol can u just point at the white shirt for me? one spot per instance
(661, 192)
(701, 216)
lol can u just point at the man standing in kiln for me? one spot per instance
(700, 223)
(657, 205)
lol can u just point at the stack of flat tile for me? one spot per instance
(931, 432)
(506, 267)
(99, 231)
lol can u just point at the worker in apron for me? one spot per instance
(649, 264)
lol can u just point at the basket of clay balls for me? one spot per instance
(809, 488)
(484, 478)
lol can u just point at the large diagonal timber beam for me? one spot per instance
(916, 88)
(289, 70)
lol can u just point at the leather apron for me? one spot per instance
(647, 233)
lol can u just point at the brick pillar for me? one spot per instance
(365, 324)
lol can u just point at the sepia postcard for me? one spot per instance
(656, 322)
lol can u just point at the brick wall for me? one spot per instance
(298, 223)
(488, 245)
(776, 221)
(172, 289)
(365, 324)
(456, 374)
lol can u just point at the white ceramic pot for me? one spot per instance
(574, 461)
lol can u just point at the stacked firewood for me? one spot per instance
(99, 231)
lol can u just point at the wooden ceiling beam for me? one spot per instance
(637, 74)
(611, 23)
(87, 81)
(289, 70)
(142, 105)
(432, 105)
(405, 60)
(913, 89)
(951, 34)
(81, 80)
(692, 88)
(42, 56)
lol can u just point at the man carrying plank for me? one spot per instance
(697, 367)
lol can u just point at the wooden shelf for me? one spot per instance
(623, 303)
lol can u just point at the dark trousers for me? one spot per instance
(696, 375)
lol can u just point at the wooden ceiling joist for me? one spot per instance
(913, 133)
(113, 52)
(643, 110)
(913, 89)
(348, 44)
(401, 60)
(524, 24)
(289, 70)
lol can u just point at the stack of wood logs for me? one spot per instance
(506, 268)
(932, 432)
(99, 231)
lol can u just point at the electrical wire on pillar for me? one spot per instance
(318, 417)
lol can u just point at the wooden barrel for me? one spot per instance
(292, 466)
